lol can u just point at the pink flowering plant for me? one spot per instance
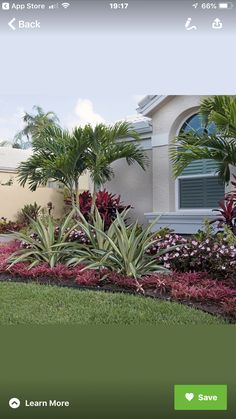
(214, 254)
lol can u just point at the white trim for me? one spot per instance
(145, 141)
(201, 211)
(192, 113)
(177, 200)
(211, 174)
(152, 104)
(181, 222)
(146, 145)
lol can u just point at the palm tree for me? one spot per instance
(64, 156)
(35, 124)
(220, 147)
(108, 144)
(58, 155)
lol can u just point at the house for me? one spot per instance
(14, 196)
(182, 203)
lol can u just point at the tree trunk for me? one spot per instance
(72, 196)
(94, 199)
(77, 193)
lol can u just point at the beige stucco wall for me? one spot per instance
(14, 197)
(85, 182)
(167, 120)
(134, 185)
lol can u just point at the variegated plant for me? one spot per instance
(44, 245)
(121, 248)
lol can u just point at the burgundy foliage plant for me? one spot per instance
(106, 203)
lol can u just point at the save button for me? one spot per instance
(200, 397)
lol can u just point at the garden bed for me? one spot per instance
(192, 289)
(207, 307)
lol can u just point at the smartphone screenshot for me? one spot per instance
(117, 209)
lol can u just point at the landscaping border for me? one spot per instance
(207, 308)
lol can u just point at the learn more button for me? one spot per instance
(200, 397)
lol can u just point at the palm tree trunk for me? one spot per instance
(93, 199)
(77, 193)
(72, 193)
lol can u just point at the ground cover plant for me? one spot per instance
(197, 271)
(7, 226)
(197, 289)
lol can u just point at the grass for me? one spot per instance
(43, 305)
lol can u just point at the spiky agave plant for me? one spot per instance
(121, 248)
(44, 245)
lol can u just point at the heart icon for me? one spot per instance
(189, 396)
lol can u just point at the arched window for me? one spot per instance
(199, 186)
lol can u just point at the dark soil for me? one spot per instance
(212, 309)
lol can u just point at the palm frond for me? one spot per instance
(106, 145)
(220, 110)
(191, 147)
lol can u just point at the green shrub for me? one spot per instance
(121, 248)
(46, 244)
(29, 212)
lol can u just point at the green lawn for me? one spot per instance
(40, 304)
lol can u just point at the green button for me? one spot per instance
(200, 397)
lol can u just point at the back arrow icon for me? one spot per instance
(11, 24)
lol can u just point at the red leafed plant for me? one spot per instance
(8, 226)
(194, 287)
(106, 203)
(232, 194)
(85, 203)
(227, 210)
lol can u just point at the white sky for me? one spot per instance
(71, 110)
(92, 77)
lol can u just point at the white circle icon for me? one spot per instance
(14, 403)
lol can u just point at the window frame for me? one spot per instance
(177, 187)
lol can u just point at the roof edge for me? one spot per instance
(150, 103)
